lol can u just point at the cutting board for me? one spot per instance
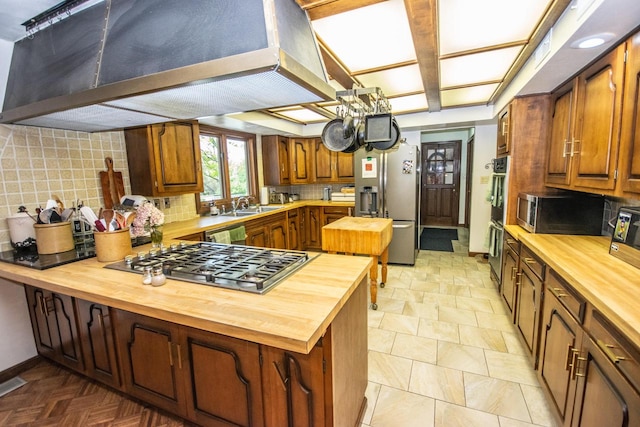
(112, 185)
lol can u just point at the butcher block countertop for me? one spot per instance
(292, 315)
(612, 286)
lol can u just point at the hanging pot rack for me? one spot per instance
(362, 102)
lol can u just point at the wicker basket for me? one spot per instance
(54, 238)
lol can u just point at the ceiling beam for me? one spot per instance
(318, 9)
(335, 68)
(423, 21)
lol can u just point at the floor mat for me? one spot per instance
(438, 239)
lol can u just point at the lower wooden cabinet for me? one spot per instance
(53, 319)
(510, 273)
(268, 232)
(295, 230)
(529, 297)
(211, 379)
(314, 227)
(96, 334)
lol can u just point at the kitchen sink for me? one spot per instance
(239, 213)
(259, 209)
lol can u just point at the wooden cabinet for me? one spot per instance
(331, 166)
(314, 227)
(510, 274)
(208, 378)
(334, 213)
(275, 160)
(268, 232)
(560, 342)
(164, 159)
(294, 230)
(629, 165)
(294, 387)
(585, 127)
(96, 334)
(504, 135)
(300, 157)
(529, 298)
(53, 319)
(195, 237)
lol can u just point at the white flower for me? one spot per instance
(147, 216)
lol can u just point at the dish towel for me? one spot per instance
(491, 240)
(222, 237)
(238, 234)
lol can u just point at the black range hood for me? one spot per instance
(124, 63)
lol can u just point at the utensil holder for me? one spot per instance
(54, 238)
(112, 245)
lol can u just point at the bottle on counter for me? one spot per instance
(146, 276)
(158, 278)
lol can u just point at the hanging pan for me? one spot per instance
(395, 137)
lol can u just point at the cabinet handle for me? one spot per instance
(530, 261)
(350, 210)
(505, 128)
(572, 365)
(41, 305)
(170, 354)
(518, 276)
(101, 320)
(558, 292)
(574, 142)
(566, 153)
(511, 241)
(283, 379)
(179, 356)
(608, 350)
(569, 357)
(513, 273)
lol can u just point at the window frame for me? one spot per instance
(252, 164)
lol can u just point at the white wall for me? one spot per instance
(6, 51)
(16, 339)
(484, 151)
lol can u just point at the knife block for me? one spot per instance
(54, 238)
(112, 245)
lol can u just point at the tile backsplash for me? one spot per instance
(36, 163)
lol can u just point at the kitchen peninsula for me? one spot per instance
(296, 352)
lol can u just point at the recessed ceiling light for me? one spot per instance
(592, 41)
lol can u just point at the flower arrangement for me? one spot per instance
(148, 219)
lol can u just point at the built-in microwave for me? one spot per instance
(625, 241)
(560, 213)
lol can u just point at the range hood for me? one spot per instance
(126, 63)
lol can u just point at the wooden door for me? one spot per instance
(257, 236)
(559, 344)
(177, 157)
(294, 230)
(314, 227)
(324, 160)
(344, 167)
(604, 397)
(440, 183)
(223, 379)
(560, 147)
(95, 329)
(275, 160)
(509, 277)
(150, 358)
(300, 152)
(277, 234)
(630, 131)
(43, 328)
(529, 292)
(598, 113)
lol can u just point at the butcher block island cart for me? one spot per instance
(295, 355)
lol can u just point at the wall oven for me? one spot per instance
(497, 196)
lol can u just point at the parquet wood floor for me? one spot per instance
(54, 396)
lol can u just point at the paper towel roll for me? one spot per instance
(264, 196)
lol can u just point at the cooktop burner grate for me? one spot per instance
(238, 267)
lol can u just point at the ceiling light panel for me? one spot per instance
(471, 24)
(467, 96)
(395, 81)
(403, 104)
(477, 68)
(369, 37)
(303, 115)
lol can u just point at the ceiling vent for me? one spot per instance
(125, 63)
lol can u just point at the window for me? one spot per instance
(228, 166)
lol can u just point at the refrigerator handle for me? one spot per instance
(383, 176)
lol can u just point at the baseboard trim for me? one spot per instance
(13, 371)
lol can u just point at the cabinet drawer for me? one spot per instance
(622, 353)
(512, 242)
(344, 210)
(533, 262)
(566, 295)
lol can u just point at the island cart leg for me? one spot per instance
(373, 275)
(385, 260)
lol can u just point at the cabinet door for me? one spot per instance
(278, 234)
(334, 213)
(275, 160)
(257, 236)
(314, 224)
(294, 230)
(43, 326)
(344, 167)
(223, 385)
(630, 131)
(151, 360)
(559, 155)
(598, 113)
(324, 162)
(293, 385)
(603, 397)
(509, 278)
(300, 151)
(559, 347)
(96, 334)
(527, 311)
(504, 125)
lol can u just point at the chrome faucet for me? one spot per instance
(236, 203)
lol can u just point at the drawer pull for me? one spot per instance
(511, 241)
(558, 292)
(568, 357)
(513, 273)
(608, 350)
(170, 353)
(530, 261)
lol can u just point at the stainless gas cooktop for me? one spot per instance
(244, 268)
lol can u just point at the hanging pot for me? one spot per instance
(333, 136)
(358, 138)
(21, 231)
(395, 137)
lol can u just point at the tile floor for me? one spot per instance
(443, 352)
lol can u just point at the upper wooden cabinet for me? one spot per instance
(301, 160)
(629, 165)
(331, 166)
(504, 135)
(275, 160)
(585, 127)
(164, 159)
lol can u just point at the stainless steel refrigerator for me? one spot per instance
(388, 186)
